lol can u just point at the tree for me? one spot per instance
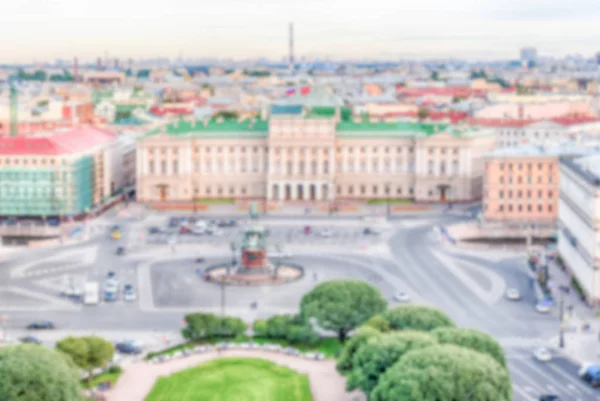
(378, 323)
(378, 354)
(473, 339)
(416, 317)
(444, 373)
(291, 328)
(232, 327)
(363, 335)
(34, 373)
(342, 305)
(435, 76)
(201, 325)
(88, 353)
(259, 328)
(422, 114)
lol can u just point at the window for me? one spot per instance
(501, 208)
(151, 167)
(510, 208)
(501, 194)
(350, 190)
(430, 167)
(539, 166)
(520, 208)
(550, 180)
(550, 208)
(509, 194)
(519, 194)
(539, 179)
(520, 166)
(442, 168)
(529, 180)
(529, 208)
(399, 191)
(163, 167)
(539, 208)
(540, 194)
(362, 190)
(175, 167)
(528, 194)
(519, 180)
(375, 188)
(501, 178)
(550, 194)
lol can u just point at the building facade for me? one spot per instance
(63, 174)
(579, 222)
(317, 154)
(521, 185)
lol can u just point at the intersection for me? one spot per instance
(407, 257)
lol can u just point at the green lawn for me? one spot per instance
(327, 346)
(233, 379)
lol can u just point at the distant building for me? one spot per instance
(63, 174)
(598, 58)
(529, 54)
(579, 222)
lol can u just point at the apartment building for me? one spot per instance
(521, 185)
(579, 222)
(62, 174)
(522, 132)
(305, 153)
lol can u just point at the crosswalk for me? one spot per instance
(532, 378)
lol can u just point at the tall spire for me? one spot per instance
(291, 55)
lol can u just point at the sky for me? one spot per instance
(383, 29)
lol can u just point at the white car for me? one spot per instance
(401, 297)
(513, 294)
(542, 308)
(129, 294)
(325, 233)
(542, 354)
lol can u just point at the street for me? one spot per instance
(408, 256)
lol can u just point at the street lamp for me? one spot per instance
(561, 338)
(387, 193)
(233, 248)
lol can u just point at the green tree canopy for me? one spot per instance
(469, 338)
(422, 114)
(233, 327)
(416, 317)
(290, 327)
(201, 325)
(88, 353)
(378, 323)
(34, 373)
(259, 327)
(379, 353)
(344, 364)
(444, 373)
(342, 305)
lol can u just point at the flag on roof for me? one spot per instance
(305, 90)
(290, 92)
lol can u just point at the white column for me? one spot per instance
(188, 159)
(249, 157)
(332, 162)
(306, 194)
(269, 191)
(169, 161)
(406, 157)
(436, 162)
(236, 160)
(213, 161)
(143, 164)
(369, 160)
(381, 166)
(293, 190)
(261, 160)
(295, 161)
(200, 160)
(318, 192)
(345, 159)
(320, 162)
(469, 171)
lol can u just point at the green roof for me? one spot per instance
(350, 129)
(228, 128)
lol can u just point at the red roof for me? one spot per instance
(565, 120)
(161, 111)
(418, 92)
(68, 142)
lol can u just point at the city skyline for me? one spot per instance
(429, 29)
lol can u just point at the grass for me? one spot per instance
(233, 379)
(102, 377)
(383, 201)
(327, 346)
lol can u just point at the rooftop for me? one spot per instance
(227, 128)
(587, 167)
(557, 150)
(67, 142)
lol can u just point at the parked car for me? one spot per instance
(402, 297)
(591, 374)
(120, 251)
(542, 307)
(30, 340)
(513, 294)
(550, 397)
(129, 293)
(155, 230)
(542, 354)
(41, 325)
(128, 347)
(371, 231)
(325, 233)
(185, 230)
(111, 279)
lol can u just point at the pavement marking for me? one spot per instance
(574, 385)
(50, 302)
(513, 369)
(470, 283)
(526, 397)
(498, 283)
(85, 255)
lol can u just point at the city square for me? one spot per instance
(407, 256)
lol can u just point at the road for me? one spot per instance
(409, 257)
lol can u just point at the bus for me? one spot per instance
(91, 293)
